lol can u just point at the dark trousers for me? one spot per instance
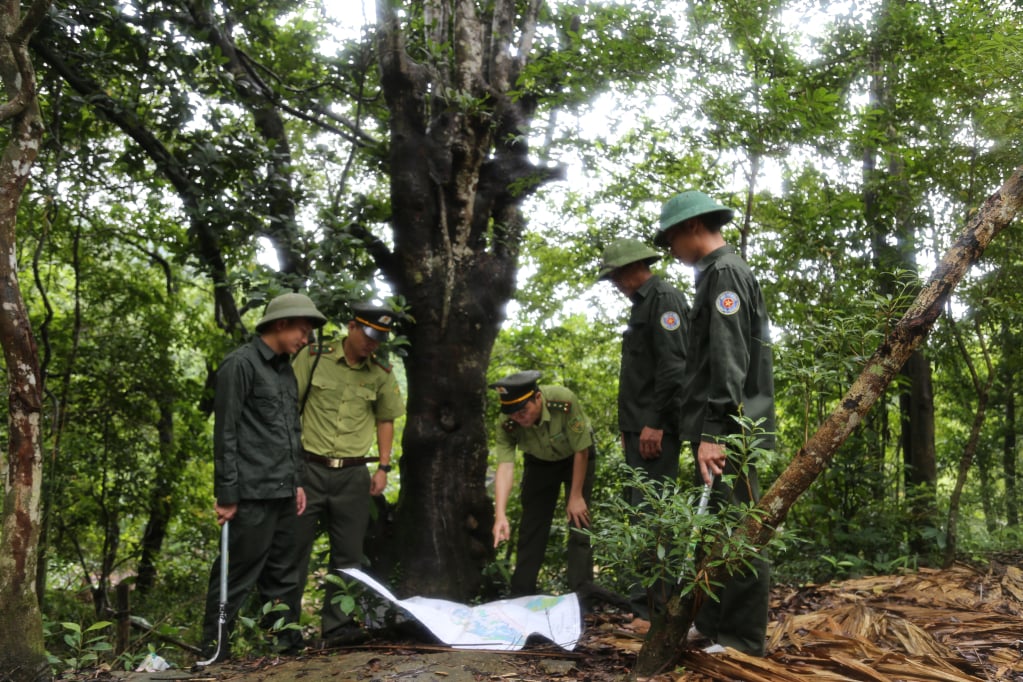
(542, 481)
(338, 503)
(738, 618)
(261, 547)
(663, 468)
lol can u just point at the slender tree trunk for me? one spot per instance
(22, 654)
(983, 391)
(887, 208)
(1009, 442)
(920, 471)
(664, 652)
(161, 506)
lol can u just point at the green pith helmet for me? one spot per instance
(686, 205)
(621, 252)
(291, 305)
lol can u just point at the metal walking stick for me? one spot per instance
(694, 534)
(222, 613)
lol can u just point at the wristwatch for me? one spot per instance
(386, 468)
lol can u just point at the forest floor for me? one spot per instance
(963, 624)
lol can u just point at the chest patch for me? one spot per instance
(671, 320)
(727, 303)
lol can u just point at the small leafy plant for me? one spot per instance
(84, 646)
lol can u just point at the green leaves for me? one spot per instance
(83, 649)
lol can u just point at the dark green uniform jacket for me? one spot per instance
(653, 359)
(728, 364)
(257, 437)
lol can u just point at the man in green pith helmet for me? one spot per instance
(650, 378)
(258, 467)
(350, 398)
(548, 425)
(728, 373)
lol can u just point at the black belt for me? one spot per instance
(338, 462)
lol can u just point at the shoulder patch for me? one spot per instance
(671, 320)
(728, 303)
(559, 405)
(320, 349)
(509, 425)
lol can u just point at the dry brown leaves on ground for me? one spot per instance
(957, 625)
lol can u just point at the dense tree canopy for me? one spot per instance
(471, 160)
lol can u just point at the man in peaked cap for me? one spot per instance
(650, 378)
(349, 398)
(728, 374)
(549, 426)
(258, 465)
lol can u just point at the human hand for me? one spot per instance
(225, 512)
(378, 482)
(650, 442)
(712, 458)
(502, 531)
(578, 512)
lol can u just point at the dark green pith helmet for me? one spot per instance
(686, 205)
(288, 306)
(621, 252)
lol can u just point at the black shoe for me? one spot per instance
(208, 652)
(343, 636)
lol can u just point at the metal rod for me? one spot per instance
(222, 612)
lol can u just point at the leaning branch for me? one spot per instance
(993, 217)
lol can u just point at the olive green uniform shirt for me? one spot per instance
(345, 403)
(562, 431)
(653, 359)
(728, 363)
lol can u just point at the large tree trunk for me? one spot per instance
(665, 650)
(22, 653)
(459, 172)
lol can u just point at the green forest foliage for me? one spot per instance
(854, 140)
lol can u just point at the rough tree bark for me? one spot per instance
(663, 649)
(459, 172)
(22, 653)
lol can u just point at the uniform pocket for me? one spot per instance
(267, 401)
